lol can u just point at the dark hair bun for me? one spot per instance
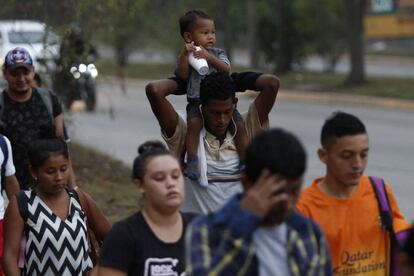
(150, 146)
(146, 152)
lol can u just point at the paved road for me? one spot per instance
(392, 66)
(122, 122)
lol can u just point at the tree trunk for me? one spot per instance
(251, 30)
(122, 60)
(121, 54)
(284, 54)
(354, 16)
(224, 12)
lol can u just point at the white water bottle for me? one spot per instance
(199, 64)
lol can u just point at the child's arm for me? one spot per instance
(183, 68)
(212, 60)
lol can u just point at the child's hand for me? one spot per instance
(202, 53)
(189, 47)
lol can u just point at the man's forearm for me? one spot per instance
(268, 85)
(163, 110)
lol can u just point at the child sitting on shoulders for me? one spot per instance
(198, 31)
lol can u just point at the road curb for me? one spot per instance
(361, 100)
(336, 98)
(311, 96)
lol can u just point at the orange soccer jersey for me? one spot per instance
(357, 243)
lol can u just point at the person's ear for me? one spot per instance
(33, 173)
(187, 37)
(322, 154)
(138, 184)
(235, 101)
(245, 181)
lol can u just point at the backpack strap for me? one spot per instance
(2, 106)
(22, 201)
(383, 203)
(46, 96)
(75, 194)
(386, 220)
(22, 204)
(83, 202)
(5, 151)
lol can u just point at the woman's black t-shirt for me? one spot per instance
(132, 247)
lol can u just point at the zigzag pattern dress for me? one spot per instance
(54, 246)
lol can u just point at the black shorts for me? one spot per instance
(181, 86)
(243, 81)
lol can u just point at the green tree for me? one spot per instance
(325, 36)
(54, 13)
(281, 39)
(120, 23)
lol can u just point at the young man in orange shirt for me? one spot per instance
(344, 203)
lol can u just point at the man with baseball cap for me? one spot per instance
(27, 113)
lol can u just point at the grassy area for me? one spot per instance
(107, 180)
(137, 70)
(401, 88)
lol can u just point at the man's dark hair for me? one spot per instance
(338, 125)
(278, 151)
(217, 86)
(188, 20)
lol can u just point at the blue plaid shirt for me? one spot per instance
(221, 243)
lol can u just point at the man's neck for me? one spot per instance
(332, 188)
(220, 138)
(19, 96)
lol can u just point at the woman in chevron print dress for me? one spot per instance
(50, 216)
